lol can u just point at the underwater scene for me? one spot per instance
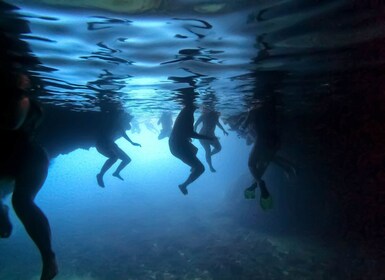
(192, 140)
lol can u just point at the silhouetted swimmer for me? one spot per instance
(262, 118)
(250, 135)
(166, 121)
(210, 120)
(114, 127)
(23, 170)
(135, 126)
(181, 146)
(6, 188)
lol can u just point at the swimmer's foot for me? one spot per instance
(266, 201)
(212, 169)
(264, 192)
(99, 178)
(249, 193)
(183, 189)
(50, 269)
(5, 223)
(117, 175)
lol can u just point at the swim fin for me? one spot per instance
(266, 202)
(249, 193)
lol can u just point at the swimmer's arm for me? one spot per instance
(221, 127)
(201, 136)
(125, 136)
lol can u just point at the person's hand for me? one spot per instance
(137, 144)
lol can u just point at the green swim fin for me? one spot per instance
(266, 203)
(249, 193)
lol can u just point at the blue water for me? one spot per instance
(143, 228)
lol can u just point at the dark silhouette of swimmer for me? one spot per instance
(262, 119)
(210, 120)
(166, 121)
(114, 127)
(181, 146)
(23, 169)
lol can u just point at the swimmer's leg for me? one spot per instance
(107, 165)
(197, 169)
(259, 160)
(6, 188)
(5, 223)
(125, 161)
(217, 147)
(30, 179)
(207, 147)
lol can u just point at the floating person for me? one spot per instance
(135, 126)
(262, 119)
(23, 169)
(166, 121)
(210, 120)
(181, 146)
(150, 127)
(114, 127)
(235, 122)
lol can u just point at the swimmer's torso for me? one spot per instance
(183, 126)
(209, 123)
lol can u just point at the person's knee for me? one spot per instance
(199, 168)
(113, 159)
(195, 150)
(126, 159)
(20, 205)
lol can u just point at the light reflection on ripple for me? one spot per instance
(225, 51)
(141, 51)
